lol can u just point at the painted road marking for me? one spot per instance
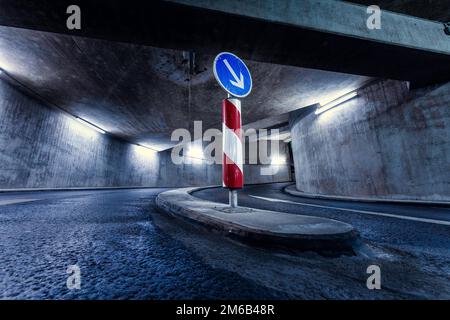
(443, 222)
(15, 201)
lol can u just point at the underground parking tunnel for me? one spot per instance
(234, 150)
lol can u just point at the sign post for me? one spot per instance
(234, 77)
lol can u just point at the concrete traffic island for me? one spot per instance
(261, 227)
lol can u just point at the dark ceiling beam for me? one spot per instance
(268, 31)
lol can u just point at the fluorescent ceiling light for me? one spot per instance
(145, 152)
(195, 152)
(148, 148)
(277, 159)
(336, 102)
(90, 125)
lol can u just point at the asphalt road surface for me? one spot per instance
(410, 243)
(424, 228)
(126, 249)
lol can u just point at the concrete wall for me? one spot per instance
(387, 143)
(201, 174)
(41, 147)
(197, 172)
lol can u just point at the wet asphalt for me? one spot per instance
(126, 249)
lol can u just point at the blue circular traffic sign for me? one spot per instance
(232, 74)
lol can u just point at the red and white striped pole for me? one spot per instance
(232, 166)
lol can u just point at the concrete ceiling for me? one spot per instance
(143, 93)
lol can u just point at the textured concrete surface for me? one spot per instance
(197, 172)
(400, 30)
(330, 31)
(387, 143)
(267, 227)
(438, 10)
(41, 147)
(143, 93)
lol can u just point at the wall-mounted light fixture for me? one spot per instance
(337, 102)
(90, 125)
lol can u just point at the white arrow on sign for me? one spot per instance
(239, 81)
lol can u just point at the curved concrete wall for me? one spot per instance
(202, 174)
(197, 172)
(387, 143)
(40, 147)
